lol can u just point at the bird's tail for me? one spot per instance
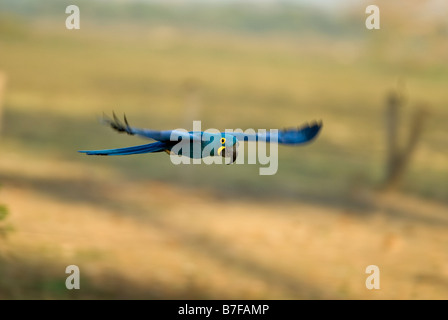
(146, 148)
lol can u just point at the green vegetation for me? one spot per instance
(4, 229)
(62, 80)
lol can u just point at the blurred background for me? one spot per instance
(372, 189)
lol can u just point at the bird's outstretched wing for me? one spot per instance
(163, 136)
(292, 136)
(146, 148)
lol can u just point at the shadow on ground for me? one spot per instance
(24, 278)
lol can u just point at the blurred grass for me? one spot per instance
(245, 76)
(69, 80)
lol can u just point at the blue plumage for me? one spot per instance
(146, 148)
(292, 136)
(219, 144)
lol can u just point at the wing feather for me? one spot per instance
(291, 136)
(157, 135)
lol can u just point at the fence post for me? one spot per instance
(398, 157)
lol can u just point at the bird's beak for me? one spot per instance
(220, 150)
(234, 156)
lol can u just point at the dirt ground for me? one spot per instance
(130, 242)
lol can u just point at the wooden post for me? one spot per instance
(398, 158)
(393, 104)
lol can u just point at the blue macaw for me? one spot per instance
(222, 144)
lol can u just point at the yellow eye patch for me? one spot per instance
(223, 140)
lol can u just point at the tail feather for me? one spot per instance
(146, 148)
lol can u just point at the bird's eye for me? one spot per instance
(223, 140)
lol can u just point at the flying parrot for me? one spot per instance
(221, 144)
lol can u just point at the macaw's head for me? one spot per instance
(228, 147)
